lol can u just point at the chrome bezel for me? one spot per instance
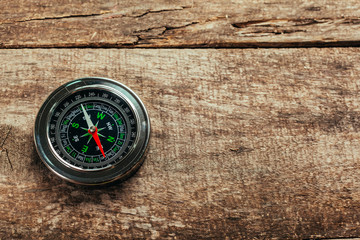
(130, 163)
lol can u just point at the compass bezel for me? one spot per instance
(120, 170)
(98, 99)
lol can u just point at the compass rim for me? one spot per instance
(115, 172)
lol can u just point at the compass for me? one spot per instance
(92, 131)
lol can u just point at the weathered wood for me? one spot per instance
(190, 23)
(245, 144)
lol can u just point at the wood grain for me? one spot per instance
(245, 144)
(189, 23)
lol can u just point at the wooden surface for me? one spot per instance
(188, 23)
(257, 143)
(245, 143)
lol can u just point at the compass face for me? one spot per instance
(92, 131)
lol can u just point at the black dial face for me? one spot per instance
(92, 129)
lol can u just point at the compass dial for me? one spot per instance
(92, 131)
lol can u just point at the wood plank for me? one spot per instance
(245, 144)
(189, 23)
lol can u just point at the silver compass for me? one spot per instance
(92, 131)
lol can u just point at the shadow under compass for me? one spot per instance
(75, 194)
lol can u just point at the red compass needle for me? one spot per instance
(93, 131)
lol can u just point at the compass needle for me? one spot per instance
(76, 149)
(93, 131)
(87, 118)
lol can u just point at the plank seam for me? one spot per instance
(222, 45)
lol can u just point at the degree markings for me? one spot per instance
(100, 108)
(107, 108)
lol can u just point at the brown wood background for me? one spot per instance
(247, 142)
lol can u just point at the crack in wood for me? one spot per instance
(263, 27)
(8, 158)
(147, 12)
(5, 149)
(313, 9)
(275, 32)
(293, 22)
(275, 22)
(93, 15)
(57, 17)
(159, 11)
(141, 37)
(167, 28)
(148, 29)
(352, 21)
(241, 149)
(248, 23)
(6, 136)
